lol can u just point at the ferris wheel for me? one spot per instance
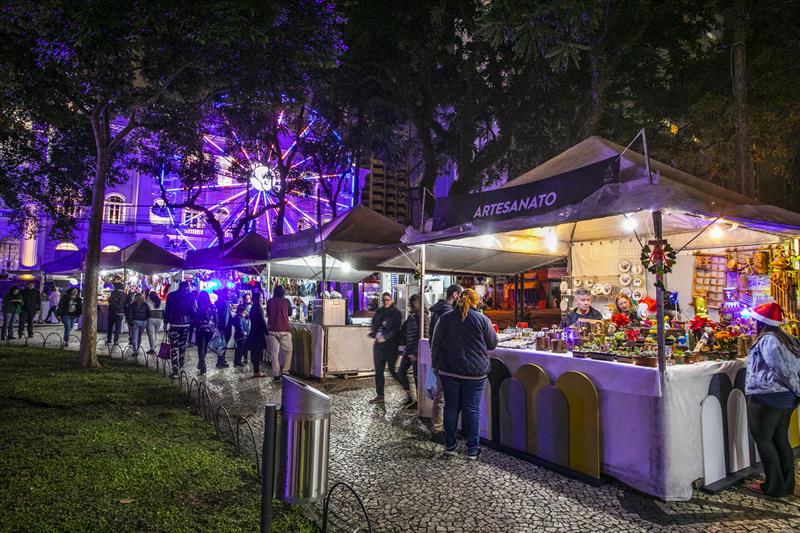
(250, 179)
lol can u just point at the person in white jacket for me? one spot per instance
(773, 385)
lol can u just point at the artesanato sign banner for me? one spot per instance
(526, 200)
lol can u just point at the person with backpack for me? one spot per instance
(155, 321)
(178, 316)
(241, 329)
(116, 313)
(69, 310)
(12, 307)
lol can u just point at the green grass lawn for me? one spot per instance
(115, 449)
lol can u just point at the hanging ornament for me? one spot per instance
(658, 257)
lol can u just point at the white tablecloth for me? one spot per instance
(650, 435)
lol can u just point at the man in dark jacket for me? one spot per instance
(437, 311)
(443, 306)
(116, 313)
(31, 303)
(409, 337)
(178, 315)
(385, 329)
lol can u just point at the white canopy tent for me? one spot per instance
(693, 214)
(689, 207)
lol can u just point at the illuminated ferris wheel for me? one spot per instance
(254, 174)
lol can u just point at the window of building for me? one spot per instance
(110, 249)
(67, 246)
(64, 249)
(193, 219)
(114, 209)
(9, 253)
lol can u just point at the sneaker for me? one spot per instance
(223, 365)
(108, 341)
(474, 455)
(201, 373)
(377, 400)
(238, 366)
(174, 375)
(755, 487)
(276, 379)
(450, 452)
(259, 375)
(151, 352)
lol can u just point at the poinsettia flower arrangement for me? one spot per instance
(620, 320)
(700, 323)
(632, 335)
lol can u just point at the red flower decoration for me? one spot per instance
(620, 320)
(698, 323)
(632, 334)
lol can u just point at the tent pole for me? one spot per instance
(422, 331)
(657, 227)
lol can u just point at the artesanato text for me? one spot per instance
(500, 208)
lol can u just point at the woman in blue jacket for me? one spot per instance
(773, 385)
(460, 356)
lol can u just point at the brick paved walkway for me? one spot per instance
(386, 454)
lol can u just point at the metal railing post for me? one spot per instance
(268, 465)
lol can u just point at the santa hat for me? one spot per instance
(769, 313)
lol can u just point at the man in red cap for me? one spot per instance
(773, 384)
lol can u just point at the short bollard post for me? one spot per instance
(268, 465)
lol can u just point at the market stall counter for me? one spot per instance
(601, 417)
(331, 350)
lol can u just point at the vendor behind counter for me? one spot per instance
(584, 309)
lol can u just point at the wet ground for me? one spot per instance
(387, 455)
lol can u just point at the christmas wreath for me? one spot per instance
(658, 260)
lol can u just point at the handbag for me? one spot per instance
(165, 350)
(217, 344)
(430, 383)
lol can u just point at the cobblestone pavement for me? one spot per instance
(406, 484)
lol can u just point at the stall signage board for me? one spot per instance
(299, 244)
(529, 199)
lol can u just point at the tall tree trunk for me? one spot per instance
(744, 157)
(87, 356)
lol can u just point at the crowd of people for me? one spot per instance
(22, 306)
(461, 338)
(260, 332)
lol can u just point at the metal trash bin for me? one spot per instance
(304, 444)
